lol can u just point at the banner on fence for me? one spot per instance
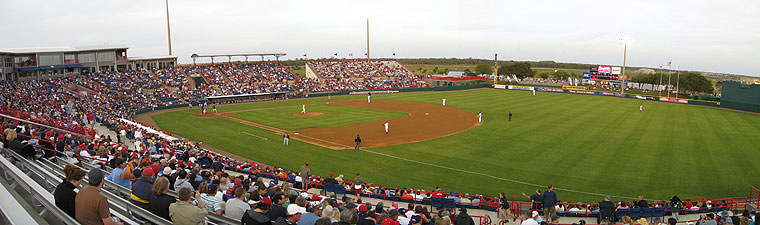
(500, 86)
(581, 92)
(570, 87)
(550, 90)
(676, 100)
(518, 87)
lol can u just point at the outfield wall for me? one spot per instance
(741, 96)
(611, 94)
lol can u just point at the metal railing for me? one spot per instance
(12, 211)
(16, 177)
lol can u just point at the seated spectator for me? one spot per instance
(65, 196)
(314, 211)
(141, 190)
(294, 215)
(235, 207)
(159, 200)
(184, 212)
(208, 194)
(464, 219)
(116, 175)
(183, 181)
(91, 206)
(277, 210)
(257, 215)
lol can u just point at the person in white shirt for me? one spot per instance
(641, 107)
(369, 98)
(531, 221)
(534, 92)
(386, 127)
(480, 117)
(303, 108)
(444, 101)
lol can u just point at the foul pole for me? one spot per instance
(168, 29)
(625, 54)
(495, 67)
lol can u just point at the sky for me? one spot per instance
(714, 36)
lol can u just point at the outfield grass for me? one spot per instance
(333, 116)
(585, 143)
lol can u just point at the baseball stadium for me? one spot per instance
(94, 135)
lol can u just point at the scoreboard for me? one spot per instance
(604, 73)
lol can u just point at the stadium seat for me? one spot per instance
(621, 213)
(647, 212)
(635, 213)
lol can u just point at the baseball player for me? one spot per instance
(386, 127)
(534, 92)
(303, 108)
(641, 108)
(204, 111)
(510, 115)
(444, 101)
(369, 98)
(286, 138)
(480, 117)
(214, 107)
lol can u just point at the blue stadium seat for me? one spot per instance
(647, 212)
(621, 213)
(635, 213)
(449, 203)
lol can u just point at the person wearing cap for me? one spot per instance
(358, 141)
(115, 175)
(184, 212)
(313, 212)
(91, 206)
(294, 215)
(606, 211)
(257, 215)
(531, 220)
(363, 209)
(235, 207)
(463, 218)
(141, 190)
(417, 219)
(209, 197)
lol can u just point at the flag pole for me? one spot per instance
(659, 88)
(678, 79)
(669, 70)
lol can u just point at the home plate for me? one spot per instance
(296, 133)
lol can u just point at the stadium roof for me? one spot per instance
(151, 58)
(31, 50)
(276, 54)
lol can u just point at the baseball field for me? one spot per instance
(587, 146)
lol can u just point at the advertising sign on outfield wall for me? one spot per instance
(550, 90)
(676, 100)
(604, 69)
(616, 70)
(581, 92)
(518, 87)
(500, 86)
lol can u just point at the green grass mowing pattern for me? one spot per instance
(586, 143)
(333, 116)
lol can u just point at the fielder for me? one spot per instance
(369, 98)
(286, 138)
(444, 101)
(204, 111)
(303, 108)
(534, 92)
(214, 107)
(386, 127)
(641, 108)
(480, 117)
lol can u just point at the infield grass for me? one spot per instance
(333, 116)
(601, 145)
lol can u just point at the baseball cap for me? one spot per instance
(363, 209)
(393, 212)
(534, 214)
(167, 171)
(148, 172)
(267, 200)
(315, 206)
(295, 209)
(238, 181)
(95, 175)
(389, 221)
(415, 219)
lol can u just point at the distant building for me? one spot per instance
(455, 74)
(45, 62)
(645, 71)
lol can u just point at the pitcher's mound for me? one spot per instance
(308, 114)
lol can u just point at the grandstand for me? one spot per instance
(81, 117)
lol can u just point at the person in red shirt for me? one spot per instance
(438, 193)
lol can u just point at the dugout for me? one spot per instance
(741, 96)
(248, 97)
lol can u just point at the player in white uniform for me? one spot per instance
(214, 107)
(534, 92)
(444, 101)
(369, 98)
(286, 138)
(641, 108)
(204, 111)
(303, 108)
(386, 127)
(480, 117)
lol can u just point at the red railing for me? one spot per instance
(27, 116)
(754, 196)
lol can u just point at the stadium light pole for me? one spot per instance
(495, 67)
(625, 55)
(168, 29)
(368, 40)
(670, 68)
(678, 79)
(659, 88)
